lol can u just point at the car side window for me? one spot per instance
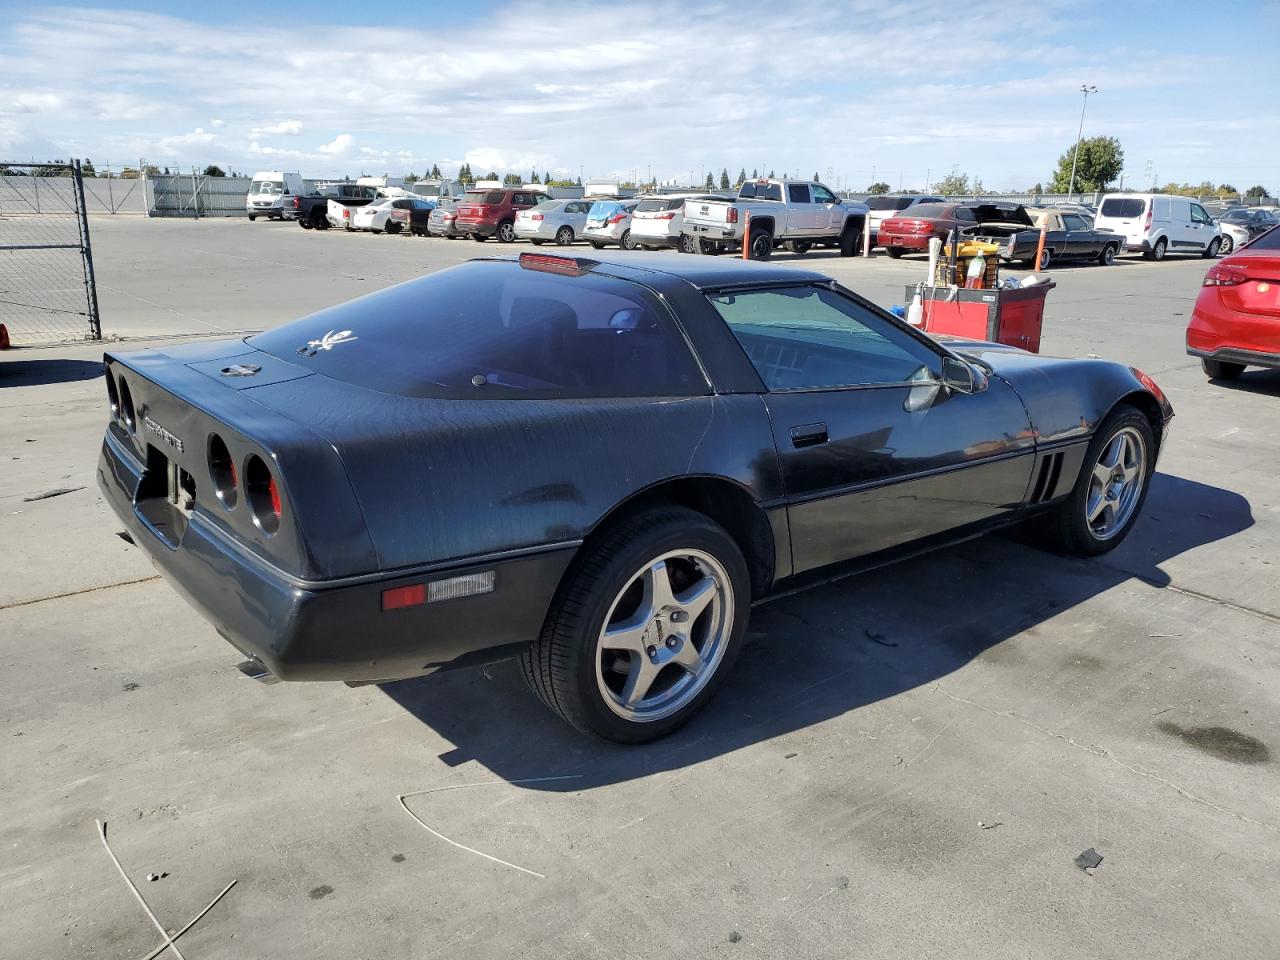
(965, 214)
(822, 195)
(807, 338)
(1199, 214)
(797, 193)
(1074, 221)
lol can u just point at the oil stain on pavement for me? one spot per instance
(1221, 742)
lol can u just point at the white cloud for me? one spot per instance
(339, 146)
(570, 85)
(285, 128)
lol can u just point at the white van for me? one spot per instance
(437, 190)
(271, 194)
(1158, 224)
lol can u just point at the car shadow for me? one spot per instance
(828, 651)
(1264, 382)
(30, 373)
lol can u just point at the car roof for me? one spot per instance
(701, 272)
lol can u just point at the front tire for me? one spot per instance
(644, 628)
(252, 218)
(850, 242)
(1110, 491)
(1158, 251)
(1221, 369)
(800, 247)
(1211, 251)
(537, 243)
(1227, 246)
(479, 237)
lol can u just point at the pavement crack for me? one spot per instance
(1106, 754)
(76, 593)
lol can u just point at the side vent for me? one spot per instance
(1047, 477)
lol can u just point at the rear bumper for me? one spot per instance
(908, 241)
(1250, 358)
(446, 229)
(467, 228)
(1217, 331)
(655, 240)
(532, 231)
(337, 630)
(730, 231)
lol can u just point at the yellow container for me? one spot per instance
(990, 276)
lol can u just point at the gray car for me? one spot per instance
(440, 223)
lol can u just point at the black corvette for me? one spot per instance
(597, 464)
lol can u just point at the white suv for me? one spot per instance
(1158, 224)
(657, 221)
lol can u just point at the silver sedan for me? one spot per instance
(558, 220)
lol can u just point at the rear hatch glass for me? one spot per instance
(493, 329)
(889, 203)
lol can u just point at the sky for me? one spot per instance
(855, 90)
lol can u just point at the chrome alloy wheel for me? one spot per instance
(665, 635)
(1116, 484)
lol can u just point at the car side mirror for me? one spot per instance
(958, 376)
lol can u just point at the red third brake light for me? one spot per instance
(1225, 275)
(549, 263)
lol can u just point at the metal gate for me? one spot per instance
(47, 289)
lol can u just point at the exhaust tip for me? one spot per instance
(255, 669)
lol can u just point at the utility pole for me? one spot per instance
(1086, 89)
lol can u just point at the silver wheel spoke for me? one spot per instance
(688, 657)
(1095, 507)
(657, 588)
(1102, 473)
(628, 635)
(639, 680)
(695, 599)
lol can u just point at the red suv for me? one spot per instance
(482, 214)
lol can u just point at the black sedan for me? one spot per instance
(598, 464)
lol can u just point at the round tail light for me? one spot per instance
(127, 417)
(222, 471)
(263, 494)
(113, 396)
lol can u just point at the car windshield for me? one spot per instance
(493, 329)
(889, 203)
(1125, 208)
(1267, 241)
(484, 196)
(1238, 215)
(427, 190)
(267, 186)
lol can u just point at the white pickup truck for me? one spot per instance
(799, 213)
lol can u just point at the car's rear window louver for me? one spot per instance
(1047, 477)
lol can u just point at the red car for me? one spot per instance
(1236, 322)
(911, 232)
(482, 214)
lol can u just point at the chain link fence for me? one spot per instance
(47, 289)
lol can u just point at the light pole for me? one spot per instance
(1086, 89)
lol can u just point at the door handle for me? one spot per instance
(809, 435)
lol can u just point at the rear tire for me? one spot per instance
(626, 243)
(800, 247)
(252, 218)
(1211, 251)
(1221, 369)
(614, 580)
(596, 245)
(537, 243)
(895, 252)
(392, 227)
(1046, 257)
(1079, 524)
(1108, 255)
(479, 237)
(761, 245)
(564, 236)
(686, 244)
(506, 232)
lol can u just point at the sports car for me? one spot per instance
(598, 465)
